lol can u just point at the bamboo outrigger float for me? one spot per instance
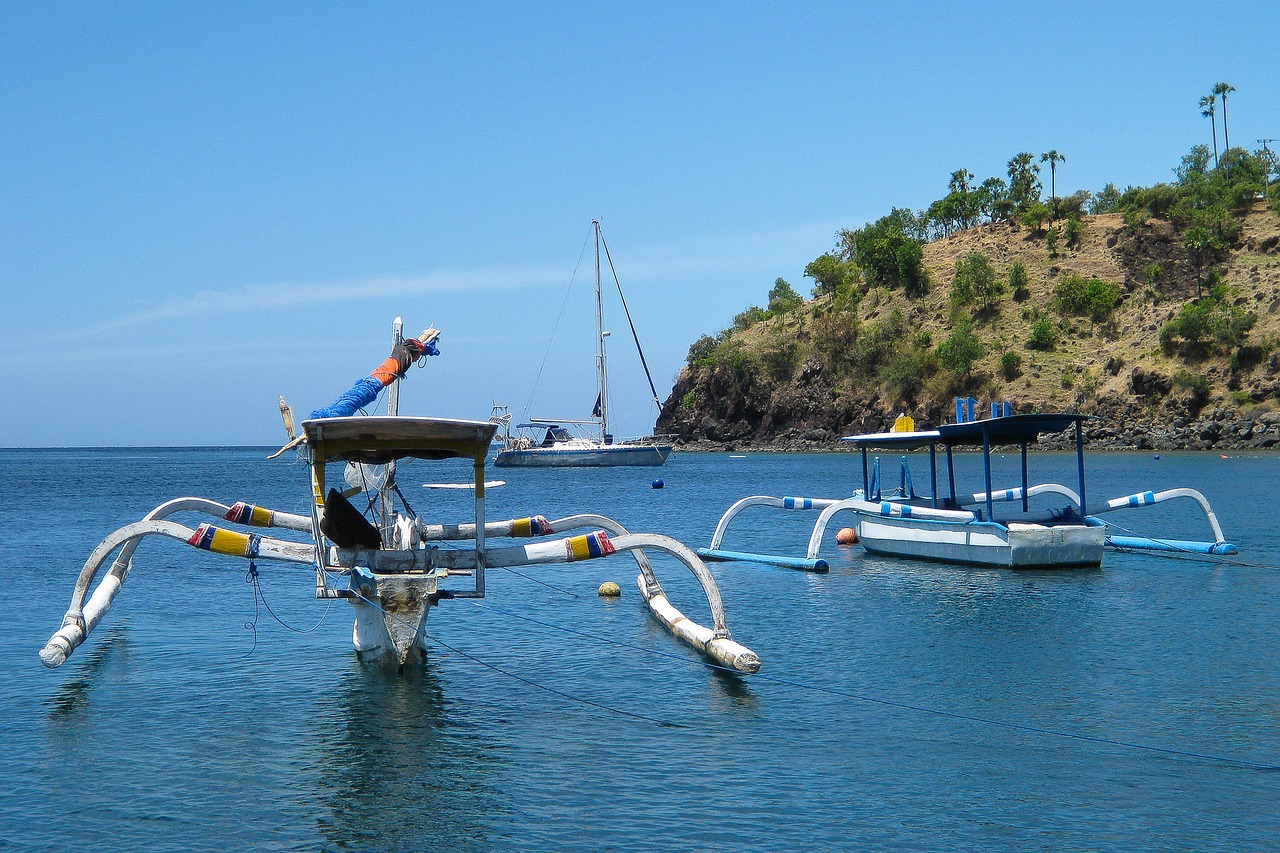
(395, 566)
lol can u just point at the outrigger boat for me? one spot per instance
(393, 566)
(966, 528)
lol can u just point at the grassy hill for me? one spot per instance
(1170, 345)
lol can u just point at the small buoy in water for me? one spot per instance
(846, 536)
(1157, 455)
(609, 589)
(658, 484)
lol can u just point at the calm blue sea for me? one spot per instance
(874, 724)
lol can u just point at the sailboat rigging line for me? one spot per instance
(561, 693)
(924, 709)
(554, 329)
(630, 322)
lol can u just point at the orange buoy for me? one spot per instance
(846, 536)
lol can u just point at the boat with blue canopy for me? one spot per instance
(993, 527)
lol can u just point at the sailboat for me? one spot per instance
(583, 442)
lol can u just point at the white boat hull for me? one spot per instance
(391, 616)
(984, 543)
(604, 456)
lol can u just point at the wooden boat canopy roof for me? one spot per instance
(1013, 429)
(378, 440)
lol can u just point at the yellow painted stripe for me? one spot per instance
(229, 542)
(260, 517)
(578, 548)
(522, 527)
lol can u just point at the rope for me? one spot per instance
(924, 709)
(535, 580)
(634, 335)
(554, 329)
(251, 577)
(656, 721)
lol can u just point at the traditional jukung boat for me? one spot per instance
(392, 565)
(966, 528)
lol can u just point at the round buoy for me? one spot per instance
(609, 589)
(846, 536)
(658, 484)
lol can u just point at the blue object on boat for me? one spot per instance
(1142, 543)
(801, 563)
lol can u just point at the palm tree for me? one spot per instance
(1206, 110)
(1222, 89)
(1053, 158)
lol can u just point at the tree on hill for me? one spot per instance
(1053, 158)
(1024, 181)
(783, 298)
(1222, 89)
(886, 254)
(1206, 110)
(827, 271)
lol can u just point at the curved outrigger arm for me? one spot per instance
(81, 617)
(715, 642)
(765, 500)
(1219, 545)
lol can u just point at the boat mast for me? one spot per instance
(385, 505)
(600, 336)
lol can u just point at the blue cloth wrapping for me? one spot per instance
(364, 392)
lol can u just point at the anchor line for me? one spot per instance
(564, 695)
(535, 580)
(956, 715)
(251, 577)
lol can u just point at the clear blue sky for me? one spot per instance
(205, 206)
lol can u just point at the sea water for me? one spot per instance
(901, 705)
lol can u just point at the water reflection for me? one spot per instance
(114, 651)
(405, 774)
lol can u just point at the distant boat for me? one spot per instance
(965, 528)
(581, 443)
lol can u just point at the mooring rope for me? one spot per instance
(656, 721)
(251, 577)
(925, 709)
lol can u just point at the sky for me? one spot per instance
(207, 206)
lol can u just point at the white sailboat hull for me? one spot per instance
(602, 456)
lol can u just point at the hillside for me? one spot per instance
(851, 362)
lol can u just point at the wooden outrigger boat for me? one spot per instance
(396, 566)
(967, 529)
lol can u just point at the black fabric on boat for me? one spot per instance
(345, 526)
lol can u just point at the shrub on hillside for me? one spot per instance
(1094, 298)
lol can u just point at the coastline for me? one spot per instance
(1220, 429)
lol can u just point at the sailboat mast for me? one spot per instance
(600, 335)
